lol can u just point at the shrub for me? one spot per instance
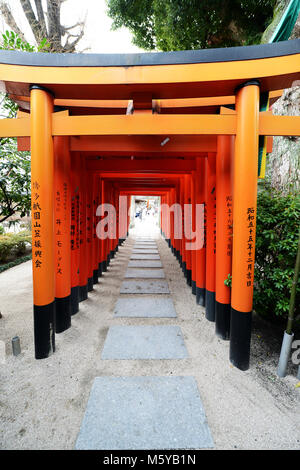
(17, 261)
(278, 218)
(13, 245)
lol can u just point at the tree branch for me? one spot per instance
(32, 20)
(41, 17)
(9, 19)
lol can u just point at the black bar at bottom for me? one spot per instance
(240, 338)
(44, 330)
(90, 284)
(222, 320)
(95, 276)
(83, 292)
(194, 287)
(210, 298)
(184, 268)
(62, 313)
(74, 300)
(112, 254)
(99, 269)
(189, 277)
(200, 296)
(104, 266)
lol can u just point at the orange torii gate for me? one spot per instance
(181, 125)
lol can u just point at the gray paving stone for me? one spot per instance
(145, 273)
(145, 247)
(143, 251)
(144, 413)
(144, 263)
(144, 342)
(139, 307)
(144, 287)
(142, 256)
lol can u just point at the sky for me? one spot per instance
(98, 37)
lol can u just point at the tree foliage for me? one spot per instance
(14, 180)
(278, 220)
(45, 24)
(14, 165)
(192, 24)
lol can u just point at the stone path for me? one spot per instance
(144, 412)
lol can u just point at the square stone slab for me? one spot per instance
(143, 239)
(146, 263)
(147, 307)
(144, 248)
(142, 256)
(143, 251)
(144, 413)
(145, 273)
(144, 287)
(144, 342)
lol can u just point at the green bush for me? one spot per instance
(278, 218)
(17, 261)
(13, 245)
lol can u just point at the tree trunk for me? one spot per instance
(283, 168)
(45, 24)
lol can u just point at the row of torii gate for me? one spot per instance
(184, 126)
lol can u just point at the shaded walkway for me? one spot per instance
(144, 412)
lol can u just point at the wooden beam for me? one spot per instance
(148, 124)
(144, 124)
(136, 165)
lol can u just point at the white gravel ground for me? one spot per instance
(42, 403)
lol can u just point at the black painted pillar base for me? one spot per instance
(108, 260)
(104, 266)
(169, 242)
(90, 284)
(62, 313)
(193, 287)
(222, 320)
(100, 270)
(184, 268)
(95, 276)
(172, 249)
(210, 300)
(83, 292)
(240, 338)
(180, 260)
(189, 277)
(200, 296)
(74, 300)
(112, 254)
(44, 330)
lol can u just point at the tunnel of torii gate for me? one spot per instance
(185, 126)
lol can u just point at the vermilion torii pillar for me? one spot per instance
(75, 231)
(244, 222)
(42, 207)
(224, 221)
(62, 224)
(210, 206)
